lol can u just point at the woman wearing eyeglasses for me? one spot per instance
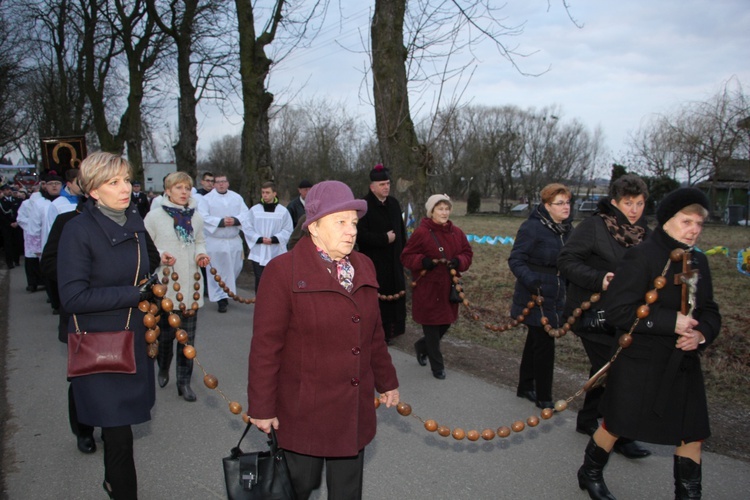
(533, 261)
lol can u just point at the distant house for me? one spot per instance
(730, 187)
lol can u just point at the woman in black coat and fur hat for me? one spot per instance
(655, 390)
(588, 262)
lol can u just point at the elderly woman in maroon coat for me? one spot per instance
(436, 246)
(318, 351)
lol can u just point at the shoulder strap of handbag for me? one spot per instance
(440, 247)
(135, 283)
(272, 441)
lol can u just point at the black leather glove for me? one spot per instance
(145, 289)
(453, 264)
(536, 285)
(428, 264)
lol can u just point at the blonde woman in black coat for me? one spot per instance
(101, 253)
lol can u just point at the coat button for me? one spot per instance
(301, 284)
(355, 381)
(355, 318)
(356, 351)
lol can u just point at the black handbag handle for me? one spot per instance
(273, 443)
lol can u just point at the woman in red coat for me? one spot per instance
(318, 351)
(436, 246)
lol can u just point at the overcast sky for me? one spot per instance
(630, 59)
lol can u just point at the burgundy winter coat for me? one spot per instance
(430, 305)
(318, 354)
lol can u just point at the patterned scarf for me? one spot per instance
(555, 227)
(627, 235)
(183, 223)
(344, 269)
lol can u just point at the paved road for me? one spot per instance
(178, 453)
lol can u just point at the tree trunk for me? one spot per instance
(185, 150)
(256, 101)
(399, 147)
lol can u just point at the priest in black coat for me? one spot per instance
(381, 235)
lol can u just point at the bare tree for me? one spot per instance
(440, 28)
(695, 141)
(195, 28)
(287, 23)
(11, 128)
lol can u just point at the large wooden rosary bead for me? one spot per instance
(532, 421)
(625, 340)
(404, 409)
(676, 254)
(488, 434)
(167, 305)
(159, 290)
(472, 435)
(149, 320)
(660, 282)
(503, 431)
(518, 426)
(651, 296)
(430, 425)
(642, 311)
(235, 407)
(377, 402)
(181, 336)
(547, 413)
(458, 434)
(144, 306)
(189, 351)
(174, 320)
(444, 431)
(561, 405)
(211, 381)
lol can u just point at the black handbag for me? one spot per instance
(258, 475)
(454, 297)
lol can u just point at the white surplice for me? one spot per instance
(223, 244)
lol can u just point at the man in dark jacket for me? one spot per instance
(11, 231)
(296, 207)
(382, 236)
(140, 199)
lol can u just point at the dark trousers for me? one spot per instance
(78, 428)
(430, 345)
(119, 465)
(33, 271)
(166, 347)
(52, 293)
(537, 364)
(13, 244)
(598, 354)
(343, 475)
(257, 271)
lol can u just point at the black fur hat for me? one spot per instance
(677, 200)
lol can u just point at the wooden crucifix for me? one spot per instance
(688, 279)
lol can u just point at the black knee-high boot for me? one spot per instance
(687, 479)
(590, 477)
